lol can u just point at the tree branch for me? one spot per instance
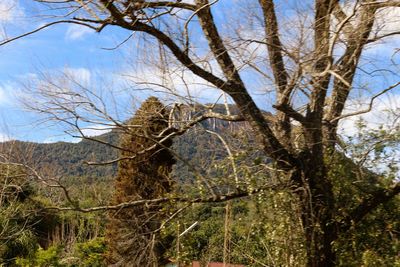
(274, 46)
(234, 87)
(44, 27)
(159, 4)
(369, 204)
(289, 111)
(170, 132)
(216, 44)
(371, 103)
(346, 69)
(142, 202)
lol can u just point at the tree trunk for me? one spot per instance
(317, 207)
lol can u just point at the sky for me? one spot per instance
(77, 50)
(87, 56)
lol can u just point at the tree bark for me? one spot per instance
(317, 208)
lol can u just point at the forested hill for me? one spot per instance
(66, 159)
(69, 159)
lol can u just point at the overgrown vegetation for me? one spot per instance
(263, 230)
(132, 234)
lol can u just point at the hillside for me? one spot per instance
(255, 221)
(66, 159)
(69, 159)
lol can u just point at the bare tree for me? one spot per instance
(309, 73)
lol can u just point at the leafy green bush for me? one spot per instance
(49, 257)
(91, 252)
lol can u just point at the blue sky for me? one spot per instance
(55, 49)
(81, 51)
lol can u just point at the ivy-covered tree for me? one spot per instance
(132, 233)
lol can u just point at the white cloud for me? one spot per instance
(95, 130)
(3, 97)
(388, 20)
(76, 32)
(72, 137)
(58, 80)
(10, 10)
(80, 75)
(385, 112)
(64, 138)
(5, 137)
(11, 14)
(50, 140)
(7, 94)
(176, 85)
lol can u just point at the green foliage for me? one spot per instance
(67, 159)
(18, 214)
(376, 149)
(264, 229)
(91, 253)
(84, 254)
(258, 232)
(22, 244)
(44, 258)
(374, 241)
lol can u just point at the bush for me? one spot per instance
(91, 252)
(49, 257)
